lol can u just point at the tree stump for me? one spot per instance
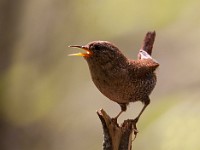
(117, 137)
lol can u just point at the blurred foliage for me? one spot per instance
(48, 101)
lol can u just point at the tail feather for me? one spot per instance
(148, 42)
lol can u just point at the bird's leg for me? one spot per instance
(146, 103)
(123, 108)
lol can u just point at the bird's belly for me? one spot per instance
(122, 91)
(114, 93)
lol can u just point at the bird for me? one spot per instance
(119, 78)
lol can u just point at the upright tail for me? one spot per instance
(148, 43)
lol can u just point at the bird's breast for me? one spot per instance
(111, 81)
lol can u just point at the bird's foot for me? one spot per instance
(135, 130)
(136, 120)
(114, 120)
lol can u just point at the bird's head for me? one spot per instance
(99, 51)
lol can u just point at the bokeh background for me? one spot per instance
(47, 99)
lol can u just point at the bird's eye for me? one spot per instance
(96, 47)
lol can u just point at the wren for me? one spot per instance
(120, 79)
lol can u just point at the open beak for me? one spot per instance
(86, 54)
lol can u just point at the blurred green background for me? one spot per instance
(47, 99)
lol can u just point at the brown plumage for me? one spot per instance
(118, 78)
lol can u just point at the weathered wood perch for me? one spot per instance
(117, 137)
(120, 137)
